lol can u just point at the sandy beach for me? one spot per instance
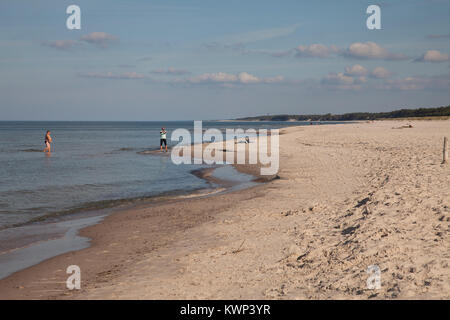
(348, 196)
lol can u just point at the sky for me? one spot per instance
(207, 59)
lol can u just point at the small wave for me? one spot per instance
(31, 150)
(150, 151)
(125, 149)
(121, 150)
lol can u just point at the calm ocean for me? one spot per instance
(93, 165)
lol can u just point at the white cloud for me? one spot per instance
(439, 82)
(434, 56)
(213, 77)
(408, 83)
(371, 50)
(245, 77)
(342, 81)
(354, 78)
(380, 73)
(357, 50)
(100, 39)
(60, 44)
(316, 50)
(227, 78)
(356, 70)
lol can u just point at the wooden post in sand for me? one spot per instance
(445, 150)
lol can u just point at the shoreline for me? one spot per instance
(23, 246)
(347, 196)
(66, 225)
(10, 289)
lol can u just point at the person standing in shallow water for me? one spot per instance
(47, 142)
(163, 138)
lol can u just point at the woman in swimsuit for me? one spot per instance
(47, 141)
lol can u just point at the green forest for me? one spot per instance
(403, 113)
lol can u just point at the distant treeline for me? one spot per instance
(403, 113)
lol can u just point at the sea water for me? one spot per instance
(92, 165)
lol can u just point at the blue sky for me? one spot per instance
(193, 60)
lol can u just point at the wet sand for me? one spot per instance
(348, 196)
